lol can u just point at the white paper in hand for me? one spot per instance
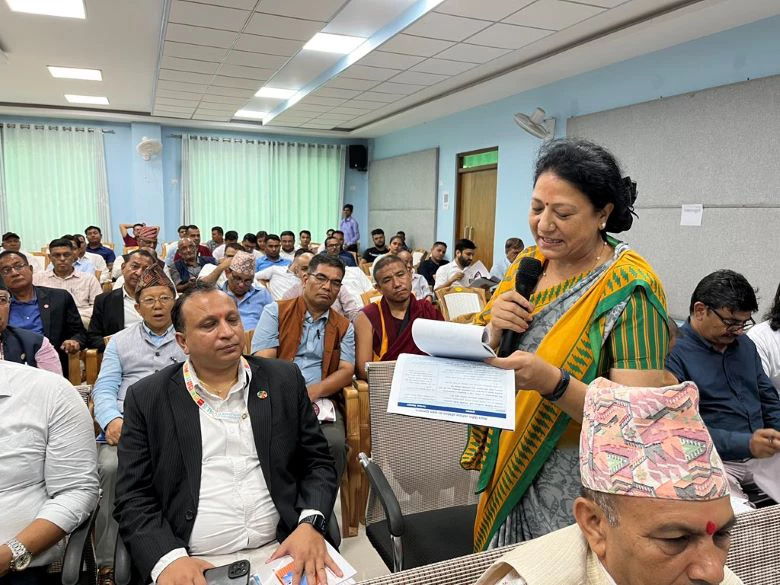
(766, 474)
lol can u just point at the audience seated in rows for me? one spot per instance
(333, 247)
(239, 286)
(287, 240)
(304, 240)
(379, 248)
(116, 310)
(384, 328)
(273, 247)
(395, 246)
(242, 426)
(147, 238)
(139, 350)
(319, 340)
(217, 239)
(13, 243)
(95, 245)
(48, 476)
(766, 336)
(250, 244)
(186, 270)
(437, 258)
(193, 234)
(739, 404)
(23, 346)
(281, 279)
(102, 271)
(51, 312)
(420, 288)
(452, 274)
(512, 247)
(231, 237)
(653, 510)
(84, 288)
(131, 240)
(215, 273)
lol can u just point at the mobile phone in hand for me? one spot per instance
(233, 574)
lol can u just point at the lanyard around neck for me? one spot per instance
(202, 404)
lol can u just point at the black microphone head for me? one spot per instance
(528, 274)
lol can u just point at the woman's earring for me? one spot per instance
(602, 226)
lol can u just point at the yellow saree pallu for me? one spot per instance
(509, 461)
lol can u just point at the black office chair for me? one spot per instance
(78, 565)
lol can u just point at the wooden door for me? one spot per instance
(477, 210)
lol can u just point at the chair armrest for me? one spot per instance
(123, 569)
(92, 365)
(395, 519)
(365, 415)
(75, 550)
(74, 368)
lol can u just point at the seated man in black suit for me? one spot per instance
(47, 311)
(115, 310)
(221, 454)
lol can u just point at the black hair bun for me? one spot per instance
(622, 217)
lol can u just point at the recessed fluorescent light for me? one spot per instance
(87, 99)
(250, 114)
(275, 92)
(328, 43)
(75, 73)
(64, 8)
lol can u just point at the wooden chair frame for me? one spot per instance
(441, 293)
(370, 296)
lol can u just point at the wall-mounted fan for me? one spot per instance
(148, 147)
(536, 124)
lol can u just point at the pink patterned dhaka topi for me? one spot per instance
(648, 442)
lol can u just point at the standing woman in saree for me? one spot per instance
(598, 309)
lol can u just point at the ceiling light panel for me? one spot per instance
(62, 8)
(250, 114)
(75, 73)
(95, 100)
(328, 43)
(275, 92)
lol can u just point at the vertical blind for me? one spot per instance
(52, 181)
(249, 185)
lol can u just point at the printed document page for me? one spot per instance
(451, 340)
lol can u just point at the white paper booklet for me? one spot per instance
(453, 383)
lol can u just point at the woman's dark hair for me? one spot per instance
(725, 289)
(773, 315)
(593, 170)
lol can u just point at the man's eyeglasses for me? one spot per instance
(15, 267)
(244, 281)
(152, 301)
(322, 280)
(733, 324)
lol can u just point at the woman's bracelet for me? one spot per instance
(561, 388)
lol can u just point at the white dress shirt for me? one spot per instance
(444, 273)
(131, 315)
(208, 269)
(768, 346)
(48, 460)
(280, 280)
(100, 265)
(287, 255)
(420, 287)
(218, 253)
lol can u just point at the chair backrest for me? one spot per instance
(419, 457)
(370, 296)
(128, 249)
(455, 301)
(248, 335)
(418, 255)
(754, 557)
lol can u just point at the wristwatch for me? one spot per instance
(20, 556)
(316, 520)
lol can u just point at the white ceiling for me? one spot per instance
(213, 55)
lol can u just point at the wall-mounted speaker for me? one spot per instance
(358, 157)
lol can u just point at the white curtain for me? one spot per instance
(3, 195)
(184, 180)
(249, 185)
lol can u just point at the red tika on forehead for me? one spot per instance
(711, 527)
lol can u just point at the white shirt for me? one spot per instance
(48, 460)
(100, 264)
(500, 267)
(420, 287)
(287, 255)
(444, 273)
(280, 280)
(768, 346)
(131, 315)
(218, 253)
(208, 269)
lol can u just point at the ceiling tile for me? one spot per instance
(178, 85)
(508, 36)
(302, 68)
(365, 72)
(167, 114)
(493, 10)
(411, 45)
(220, 100)
(260, 60)
(191, 65)
(283, 27)
(242, 4)
(332, 92)
(319, 126)
(335, 118)
(604, 3)
(188, 51)
(270, 45)
(210, 118)
(246, 72)
(225, 81)
(198, 14)
(469, 53)
(364, 104)
(215, 111)
(418, 78)
(553, 14)
(231, 91)
(197, 35)
(443, 67)
(313, 108)
(344, 83)
(262, 104)
(390, 60)
(445, 26)
(402, 88)
(325, 101)
(173, 94)
(162, 102)
(364, 18)
(184, 109)
(184, 76)
(350, 111)
(313, 10)
(382, 98)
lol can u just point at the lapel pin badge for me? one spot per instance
(45, 306)
(262, 394)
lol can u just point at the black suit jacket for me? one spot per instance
(61, 320)
(108, 317)
(160, 452)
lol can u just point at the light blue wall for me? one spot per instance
(148, 191)
(732, 56)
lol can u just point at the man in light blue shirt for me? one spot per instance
(239, 286)
(350, 228)
(131, 354)
(512, 248)
(273, 247)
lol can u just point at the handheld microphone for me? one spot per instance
(525, 281)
